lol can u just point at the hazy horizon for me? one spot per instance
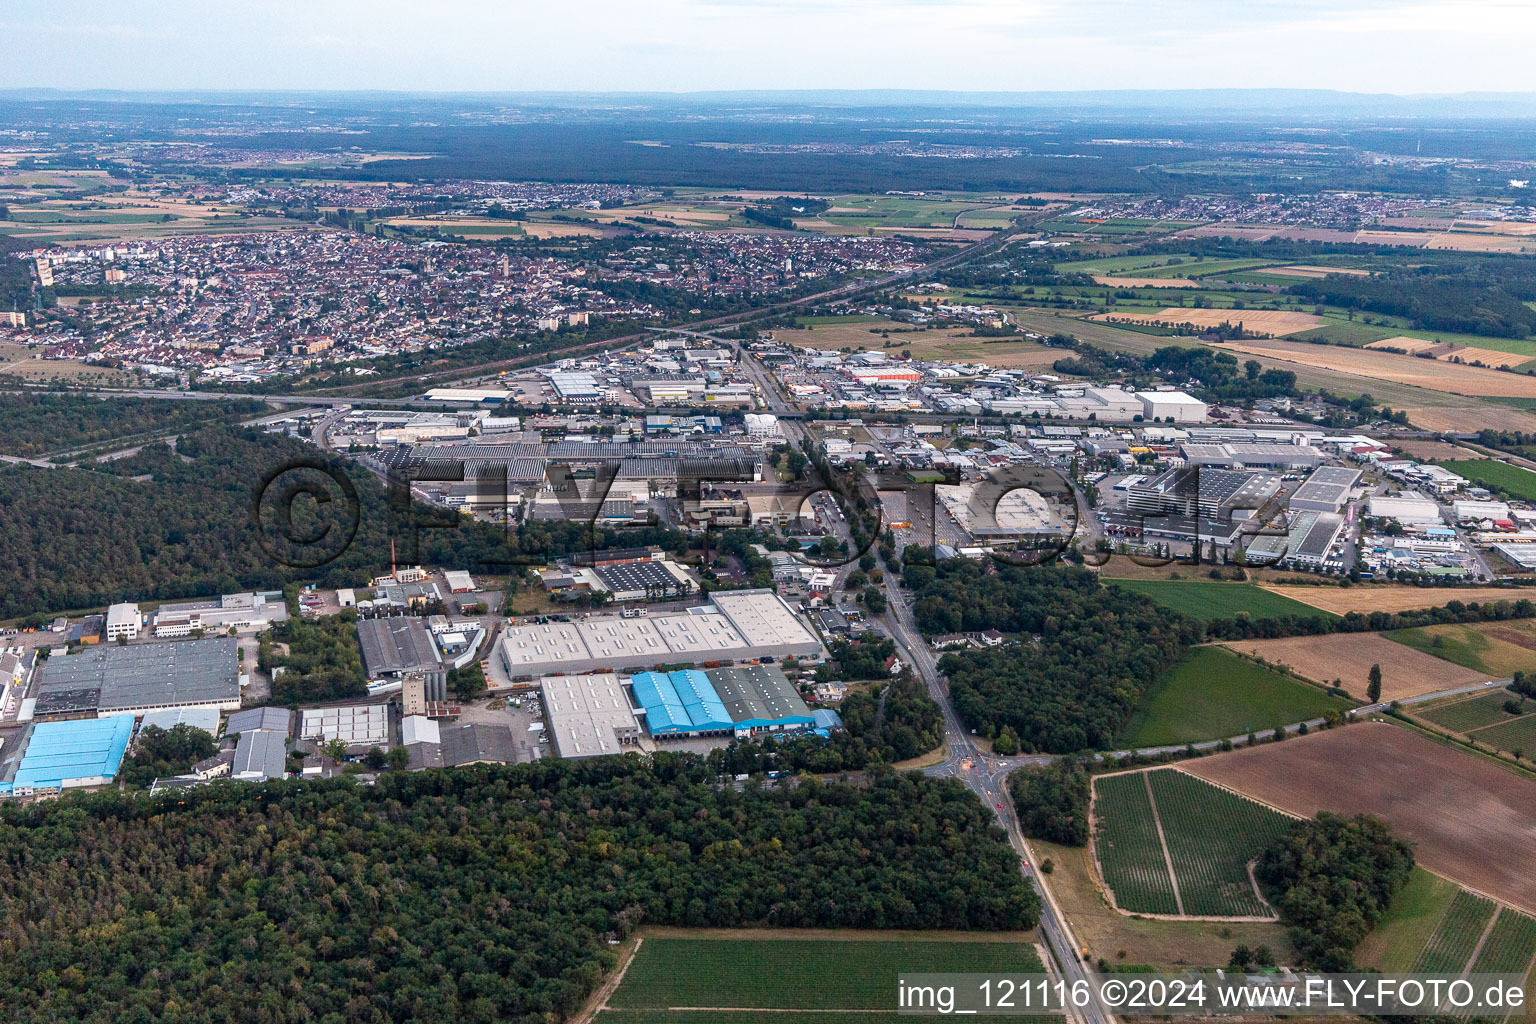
(1382, 47)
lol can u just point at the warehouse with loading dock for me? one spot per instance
(589, 715)
(68, 755)
(744, 701)
(139, 678)
(738, 625)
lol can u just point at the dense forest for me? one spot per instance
(1086, 654)
(323, 661)
(166, 524)
(32, 424)
(1486, 297)
(474, 896)
(1331, 879)
(1052, 801)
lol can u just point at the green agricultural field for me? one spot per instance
(1510, 945)
(1209, 600)
(1512, 734)
(1214, 694)
(1457, 643)
(1462, 715)
(795, 974)
(1346, 333)
(897, 211)
(1520, 483)
(1128, 266)
(1405, 929)
(1212, 836)
(1449, 949)
(1127, 846)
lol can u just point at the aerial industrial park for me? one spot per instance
(691, 553)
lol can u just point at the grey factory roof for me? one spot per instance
(141, 676)
(477, 741)
(1326, 489)
(588, 715)
(396, 645)
(636, 576)
(260, 753)
(756, 693)
(579, 451)
(1319, 538)
(251, 719)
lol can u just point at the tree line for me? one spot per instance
(1085, 653)
(478, 895)
(166, 524)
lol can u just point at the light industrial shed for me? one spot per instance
(760, 699)
(65, 755)
(1326, 490)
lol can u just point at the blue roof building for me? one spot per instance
(63, 755)
(682, 703)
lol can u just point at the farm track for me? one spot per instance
(1162, 838)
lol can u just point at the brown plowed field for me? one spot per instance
(1470, 820)
(1388, 597)
(1348, 657)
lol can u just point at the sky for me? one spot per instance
(1392, 46)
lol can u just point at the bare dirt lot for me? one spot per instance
(1453, 378)
(1390, 597)
(1268, 321)
(1471, 820)
(1348, 657)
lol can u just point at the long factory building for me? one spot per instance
(592, 715)
(736, 625)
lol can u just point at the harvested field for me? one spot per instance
(1348, 657)
(1407, 344)
(1473, 821)
(1268, 321)
(1488, 416)
(1146, 282)
(1436, 451)
(1452, 378)
(1305, 270)
(1470, 354)
(1389, 597)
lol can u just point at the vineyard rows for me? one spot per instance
(1212, 836)
(1449, 949)
(1510, 945)
(1129, 852)
(1475, 713)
